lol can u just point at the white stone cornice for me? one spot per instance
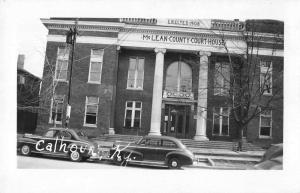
(83, 25)
(267, 52)
(90, 23)
(161, 50)
(84, 39)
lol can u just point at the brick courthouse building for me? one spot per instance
(154, 76)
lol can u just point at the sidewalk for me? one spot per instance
(215, 155)
(225, 154)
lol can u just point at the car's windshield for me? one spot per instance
(50, 133)
(81, 134)
(138, 141)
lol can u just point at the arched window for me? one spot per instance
(179, 77)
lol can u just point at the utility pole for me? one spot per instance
(70, 39)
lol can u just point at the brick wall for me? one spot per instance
(80, 88)
(123, 94)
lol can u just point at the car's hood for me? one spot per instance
(123, 144)
(28, 135)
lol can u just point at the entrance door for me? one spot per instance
(177, 120)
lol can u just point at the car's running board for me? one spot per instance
(148, 162)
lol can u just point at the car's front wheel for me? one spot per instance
(174, 163)
(75, 156)
(25, 150)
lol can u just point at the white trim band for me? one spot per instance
(84, 39)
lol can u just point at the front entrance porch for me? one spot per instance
(177, 121)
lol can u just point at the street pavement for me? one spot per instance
(41, 162)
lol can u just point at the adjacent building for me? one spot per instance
(28, 87)
(138, 76)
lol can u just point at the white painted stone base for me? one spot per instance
(111, 131)
(154, 133)
(201, 138)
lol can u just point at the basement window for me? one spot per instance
(57, 104)
(265, 124)
(91, 111)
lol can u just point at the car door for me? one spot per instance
(166, 147)
(49, 142)
(64, 139)
(148, 148)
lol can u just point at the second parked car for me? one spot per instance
(153, 150)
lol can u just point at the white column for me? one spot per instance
(157, 92)
(202, 97)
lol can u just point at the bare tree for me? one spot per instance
(41, 97)
(252, 85)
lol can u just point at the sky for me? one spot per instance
(32, 38)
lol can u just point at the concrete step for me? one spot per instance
(223, 155)
(188, 142)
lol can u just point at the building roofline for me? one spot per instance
(27, 72)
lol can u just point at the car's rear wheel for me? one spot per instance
(75, 156)
(25, 150)
(174, 163)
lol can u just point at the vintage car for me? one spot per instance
(58, 142)
(152, 150)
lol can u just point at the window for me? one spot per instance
(50, 133)
(64, 135)
(266, 77)
(167, 143)
(221, 121)
(61, 70)
(21, 79)
(153, 142)
(135, 73)
(265, 124)
(57, 104)
(96, 66)
(133, 113)
(221, 79)
(179, 77)
(91, 111)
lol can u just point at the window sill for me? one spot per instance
(267, 94)
(218, 135)
(89, 125)
(90, 82)
(136, 89)
(58, 123)
(265, 137)
(221, 95)
(59, 80)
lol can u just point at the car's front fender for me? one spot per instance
(83, 148)
(23, 140)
